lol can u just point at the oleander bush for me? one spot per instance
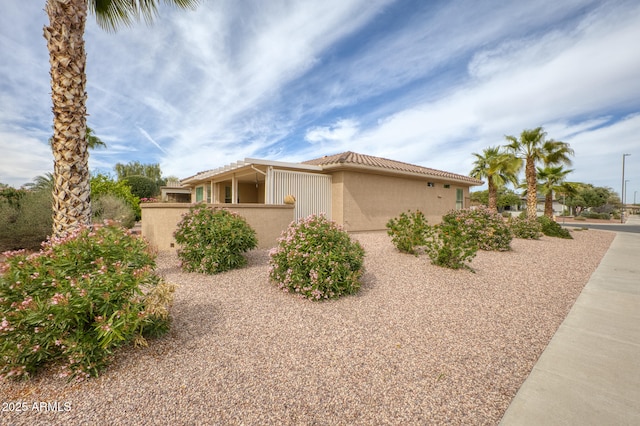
(213, 240)
(450, 245)
(76, 300)
(408, 231)
(486, 227)
(316, 259)
(551, 228)
(525, 228)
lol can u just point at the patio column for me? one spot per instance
(234, 189)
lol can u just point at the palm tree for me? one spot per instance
(499, 168)
(65, 41)
(533, 147)
(41, 183)
(93, 141)
(550, 179)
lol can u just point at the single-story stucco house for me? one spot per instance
(359, 192)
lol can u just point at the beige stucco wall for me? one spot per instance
(367, 201)
(159, 221)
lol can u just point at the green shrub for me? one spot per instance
(141, 186)
(76, 300)
(525, 228)
(593, 215)
(407, 232)
(213, 240)
(450, 245)
(25, 222)
(316, 259)
(111, 207)
(486, 227)
(552, 229)
(103, 185)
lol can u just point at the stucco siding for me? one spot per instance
(160, 220)
(370, 200)
(337, 197)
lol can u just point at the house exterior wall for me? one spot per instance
(160, 220)
(369, 200)
(337, 197)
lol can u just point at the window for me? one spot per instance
(199, 194)
(430, 184)
(447, 186)
(209, 194)
(459, 199)
(227, 194)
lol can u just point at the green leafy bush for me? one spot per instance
(103, 185)
(141, 186)
(486, 227)
(316, 259)
(25, 221)
(111, 207)
(78, 298)
(407, 232)
(552, 229)
(525, 228)
(593, 215)
(213, 240)
(450, 245)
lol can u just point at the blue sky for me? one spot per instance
(427, 82)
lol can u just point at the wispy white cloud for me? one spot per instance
(553, 80)
(342, 131)
(415, 81)
(150, 139)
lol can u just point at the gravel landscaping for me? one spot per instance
(419, 344)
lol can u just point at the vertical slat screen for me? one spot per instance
(312, 191)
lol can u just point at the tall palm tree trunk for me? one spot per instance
(493, 195)
(548, 204)
(71, 190)
(532, 193)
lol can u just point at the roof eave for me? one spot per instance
(468, 181)
(210, 174)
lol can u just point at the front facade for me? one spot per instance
(360, 192)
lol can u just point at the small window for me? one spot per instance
(430, 184)
(459, 199)
(199, 194)
(447, 186)
(209, 194)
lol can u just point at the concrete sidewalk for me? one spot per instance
(589, 374)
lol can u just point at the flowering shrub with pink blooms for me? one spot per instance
(70, 304)
(316, 259)
(213, 240)
(486, 227)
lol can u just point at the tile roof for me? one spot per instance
(353, 158)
